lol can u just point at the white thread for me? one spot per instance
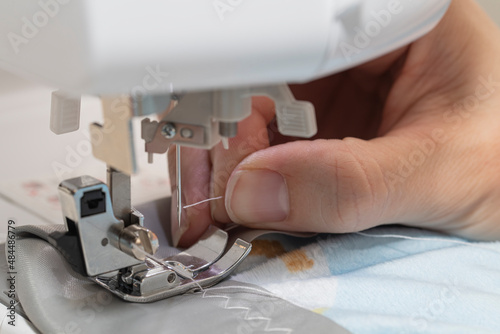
(458, 242)
(247, 309)
(197, 284)
(201, 202)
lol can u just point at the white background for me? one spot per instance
(493, 8)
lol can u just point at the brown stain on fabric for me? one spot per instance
(295, 261)
(267, 248)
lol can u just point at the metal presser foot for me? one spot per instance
(118, 253)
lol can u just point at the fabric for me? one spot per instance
(58, 300)
(385, 285)
(365, 284)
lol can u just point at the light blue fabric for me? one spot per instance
(389, 285)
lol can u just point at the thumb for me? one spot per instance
(334, 186)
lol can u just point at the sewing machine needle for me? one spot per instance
(178, 183)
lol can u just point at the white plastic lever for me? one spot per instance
(64, 113)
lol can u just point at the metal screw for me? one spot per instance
(169, 131)
(171, 278)
(228, 129)
(136, 241)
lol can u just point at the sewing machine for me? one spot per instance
(196, 63)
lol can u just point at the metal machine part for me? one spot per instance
(121, 258)
(204, 119)
(201, 266)
(120, 187)
(137, 241)
(195, 119)
(91, 223)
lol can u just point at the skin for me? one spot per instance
(412, 138)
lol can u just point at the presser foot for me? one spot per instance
(204, 264)
(120, 257)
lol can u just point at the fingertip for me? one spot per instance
(264, 106)
(257, 196)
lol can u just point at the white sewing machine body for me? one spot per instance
(118, 46)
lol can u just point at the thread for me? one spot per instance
(201, 202)
(457, 242)
(247, 316)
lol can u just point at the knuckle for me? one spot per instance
(358, 190)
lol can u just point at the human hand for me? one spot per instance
(411, 138)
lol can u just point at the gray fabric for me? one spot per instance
(4, 284)
(41, 231)
(58, 300)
